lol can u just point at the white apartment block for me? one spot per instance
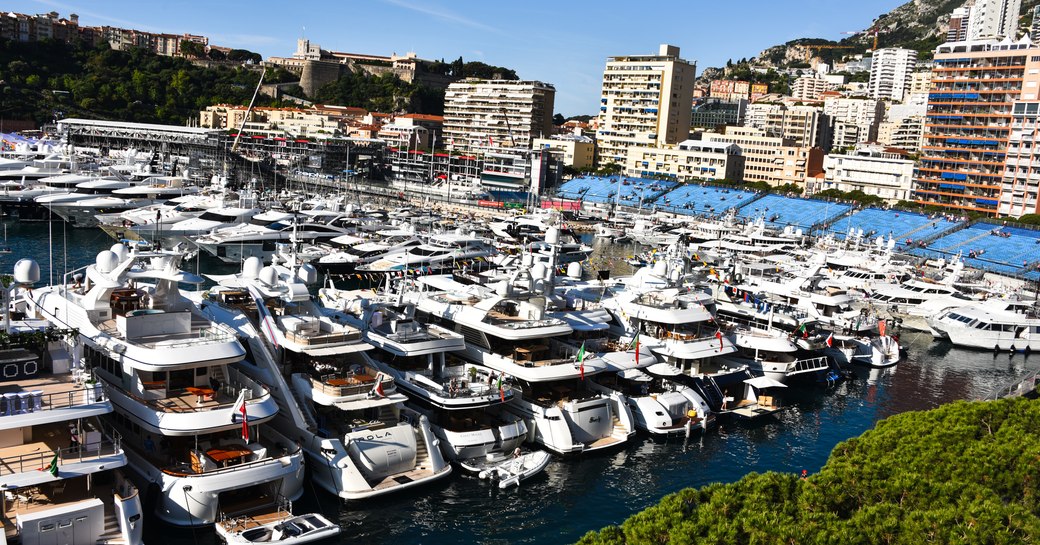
(855, 120)
(890, 73)
(769, 159)
(1021, 182)
(870, 169)
(984, 19)
(688, 161)
(482, 114)
(806, 126)
(572, 150)
(809, 87)
(645, 101)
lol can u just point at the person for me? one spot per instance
(73, 436)
(725, 399)
(149, 445)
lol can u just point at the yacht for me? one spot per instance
(882, 351)
(83, 213)
(210, 220)
(508, 331)
(62, 467)
(440, 253)
(347, 413)
(989, 325)
(351, 250)
(661, 406)
(235, 244)
(19, 196)
(463, 401)
(192, 421)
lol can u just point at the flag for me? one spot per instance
(52, 468)
(802, 331)
(377, 390)
(718, 335)
(635, 346)
(881, 327)
(830, 340)
(245, 419)
(501, 391)
(581, 361)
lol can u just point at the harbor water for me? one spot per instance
(576, 495)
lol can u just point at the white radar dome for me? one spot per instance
(251, 267)
(120, 251)
(307, 274)
(26, 271)
(106, 261)
(269, 276)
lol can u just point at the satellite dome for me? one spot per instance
(307, 273)
(120, 251)
(269, 276)
(26, 271)
(107, 261)
(251, 267)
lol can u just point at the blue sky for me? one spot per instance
(563, 42)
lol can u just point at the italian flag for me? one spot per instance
(635, 346)
(581, 361)
(52, 468)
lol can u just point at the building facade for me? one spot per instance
(984, 19)
(890, 73)
(572, 150)
(484, 114)
(645, 101)
(969, 121)
(689, 161)
(714, 112)
(809, 87)
(770, 159)
(1021, 181)
(855, 120)
(806, 126)
(874, 170)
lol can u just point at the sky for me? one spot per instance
(562, 42)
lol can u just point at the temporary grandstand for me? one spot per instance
(900, 225)
(622, 190)
(780, 211)
(1007, 250)
(703, 200)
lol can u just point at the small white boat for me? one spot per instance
(285, 529)
(508, 470)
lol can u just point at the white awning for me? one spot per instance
(371, 402)
(635, 374)
(764, 382)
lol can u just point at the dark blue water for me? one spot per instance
(582, 494)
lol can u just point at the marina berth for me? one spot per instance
(194, 422)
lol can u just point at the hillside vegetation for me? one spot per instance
(966, 473)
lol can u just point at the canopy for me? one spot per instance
(635, 374)
(764, 382)
(664, 369)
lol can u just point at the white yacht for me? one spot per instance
(235, 244)
(83, 213)
(61, 466)
(989, 326)
(191, 419)
(210, 220)
(661, 406)
(508, 331)
(881, 351)
(361, 440)
(441, 252)
(351, 250)
(463, 401)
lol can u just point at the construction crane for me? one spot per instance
(874, 30)
(809, 49)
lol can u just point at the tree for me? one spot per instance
(558, 120)
(217, 55)
(192, 49)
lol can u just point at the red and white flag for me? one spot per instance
(239, 410)
(830, 340)
(718, 335)
(377, 390)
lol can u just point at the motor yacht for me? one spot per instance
(193, 423)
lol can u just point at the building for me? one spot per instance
(688, 161)
(1021, 181)
(969, 121)
(984, 19)
(1034, 28)
(715, 112)
(770, 159)
(727, 89)
(854, 120)
(905, 133)
(645, 101)
(874, 170)
(809, 87)
(482, 114)
(890, 73)
(572, 150)
(806, 126)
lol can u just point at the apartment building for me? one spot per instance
(854, 120)
(984, 19)
(1021, 181)
(714, 112)
(874, 170)
(770, 159)
(969, 121)
(688, 161)
(573, 150)
(806, 126)
(484, 114)
(809, 87)
(645, 101)
(890, 73)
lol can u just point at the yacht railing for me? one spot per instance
(268, 459)
(41, 461)
(34, 401)
(1019, 387)
(336, 390)
(809, 365)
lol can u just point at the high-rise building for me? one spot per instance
(984, 19)
(809, 87)
(712, 112)
(645, 101)
(890, 73)
(1034, 29)
(770, 159)
(1021, 182)
(806, 126)
(969, 121)
(481, 114)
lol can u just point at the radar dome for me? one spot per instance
(269, 276)
(307, 274)
(107, 261)
(660, 268)
(538, 270)
(251, 267)
(552, 235)
(26, 271)
(527, 260)
(503, 288)
(574, 270)
(120, 251)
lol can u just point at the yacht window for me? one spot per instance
(213, 216)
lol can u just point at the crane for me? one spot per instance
(874, 30)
